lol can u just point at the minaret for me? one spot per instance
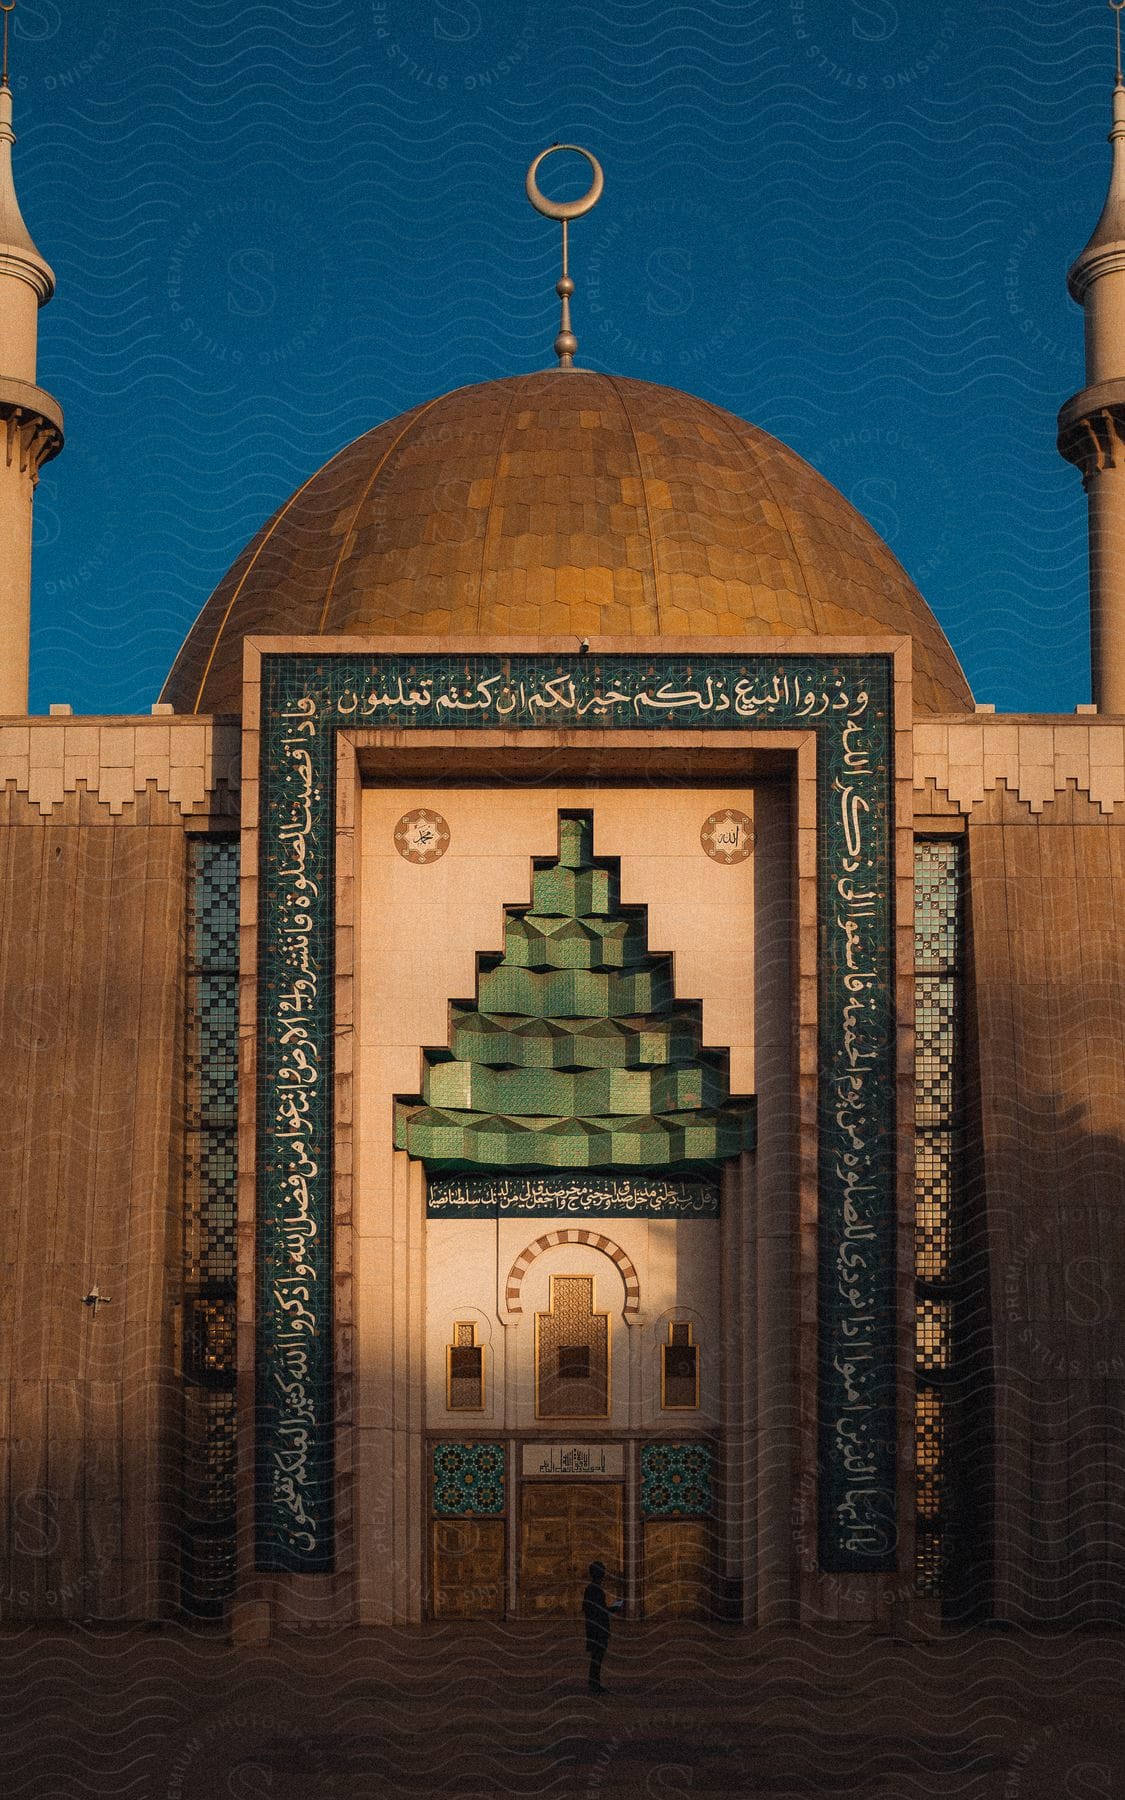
(1092, 425)
(30, 421)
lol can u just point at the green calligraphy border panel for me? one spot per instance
(846, 700)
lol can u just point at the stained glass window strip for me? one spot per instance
(937, 892)
(211, 1060)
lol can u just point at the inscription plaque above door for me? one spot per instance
(578, 1462)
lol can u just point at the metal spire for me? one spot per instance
(18, 255)
(7, 11)
(564, 210)
(1109, 232)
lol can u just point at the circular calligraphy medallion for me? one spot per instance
(421, 836)
(727, 837)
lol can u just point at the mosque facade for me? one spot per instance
(564, 1033)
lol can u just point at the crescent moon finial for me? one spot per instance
(564, 211)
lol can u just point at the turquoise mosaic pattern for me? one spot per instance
(216, 1008)
(468, 1480)
(575, 1195)
(215, 903)
(937, 896)
(504, 1110)
(845, 700)
(212, 1059)
(676, 1481)
(211, 1170)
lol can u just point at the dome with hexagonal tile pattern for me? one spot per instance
(563, 504)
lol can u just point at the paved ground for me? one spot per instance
(479, 1711)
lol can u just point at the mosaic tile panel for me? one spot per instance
(220, 1451)
(677, 1481)
(932, 1334)
(933, 1158)
(213, 1063)
(214, 904)
(935, 905)
(209, 1338)
(937, 879)
(933, 1066)
(928, 1453)
(210, 1177)
(845, 701)
(469, 1480)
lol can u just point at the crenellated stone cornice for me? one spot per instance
(114, 760)
(1037, 757)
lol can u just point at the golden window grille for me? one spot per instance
(679, 1368)
(572, 1324)
(464, 1370)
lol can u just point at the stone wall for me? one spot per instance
(1043, 805)
(92, 901)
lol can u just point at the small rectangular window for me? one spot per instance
(679, 1369)
(464, 1370)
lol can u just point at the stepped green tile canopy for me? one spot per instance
(577, 1054)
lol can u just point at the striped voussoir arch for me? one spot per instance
(573, 1234)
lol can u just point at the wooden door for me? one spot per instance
(677, 1569)
(565, 1526)
(468, 1569)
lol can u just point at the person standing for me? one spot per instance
(596, 1611)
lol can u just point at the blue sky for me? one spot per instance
(846, 220)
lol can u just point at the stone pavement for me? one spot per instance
(475, 1711)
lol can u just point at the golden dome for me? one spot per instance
(563, 504)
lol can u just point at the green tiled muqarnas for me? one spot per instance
(577, 1054)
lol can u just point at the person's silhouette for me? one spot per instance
(596, 1611)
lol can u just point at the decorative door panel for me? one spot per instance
(468, 1568)
(677, 1576)
(564, 1527)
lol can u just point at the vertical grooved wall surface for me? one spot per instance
(91, 961)
(1048, 958)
